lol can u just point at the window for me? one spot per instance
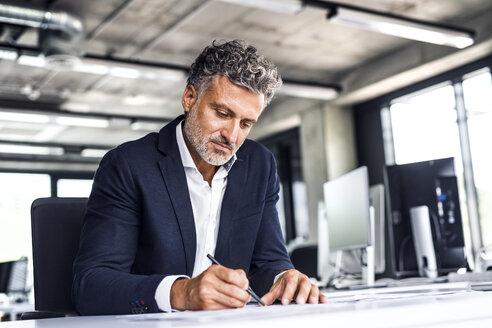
(74, 187)
(17, 192)
(477, 93)
(424, 126)
(450, 119)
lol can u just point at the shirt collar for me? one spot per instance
(186, 158)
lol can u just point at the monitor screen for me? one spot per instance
(433, 184)
(13, 276)
(347, 210)
(18, 276)
(5, 269)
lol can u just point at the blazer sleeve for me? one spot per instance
(103, 282)
(270, 255)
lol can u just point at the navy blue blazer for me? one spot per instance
(139, 225)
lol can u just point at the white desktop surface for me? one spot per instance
(460, 309)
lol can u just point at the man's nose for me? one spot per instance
(231, 131)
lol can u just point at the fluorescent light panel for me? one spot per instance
(309, 91)
(146, 126)
(24, 117)
(90, 152)
(280, 6)
(62, 120)
(8, 54)
(82, 121)
(30, 150)
(34, 61)
(403, 28)
(102, 67)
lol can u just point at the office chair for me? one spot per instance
(56, 224)
(305, 259)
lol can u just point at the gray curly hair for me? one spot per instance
(239, 62)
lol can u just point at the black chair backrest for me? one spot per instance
(305, 259)
(56, 225)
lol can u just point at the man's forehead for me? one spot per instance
(220, 82)
(234, 98)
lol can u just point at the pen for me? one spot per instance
(249, 290)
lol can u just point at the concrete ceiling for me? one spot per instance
(170, 33)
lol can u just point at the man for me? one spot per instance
(160, 204)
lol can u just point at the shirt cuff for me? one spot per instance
(163, 292)
(278, 276)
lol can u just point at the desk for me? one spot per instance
(461, 309)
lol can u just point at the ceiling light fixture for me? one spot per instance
(146, 125)
(82, 121)
(281, 6)
(381, 22)
(103, 67)
(30, 150)
(8, 54)
(399, 26)
(24, 117)
(91, 152)
(307, 90)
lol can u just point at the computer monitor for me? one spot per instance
(344, 221)
(13, 276)
(347, 210)
(5, 269)
(432, 184)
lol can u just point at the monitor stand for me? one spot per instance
(368, 267)
(368, 260)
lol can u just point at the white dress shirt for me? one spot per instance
(206, 202)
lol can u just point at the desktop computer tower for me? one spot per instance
(432, 184)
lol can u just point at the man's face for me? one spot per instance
(219, 121)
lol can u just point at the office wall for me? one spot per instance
(328, 151)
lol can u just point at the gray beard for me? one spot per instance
(199, 141)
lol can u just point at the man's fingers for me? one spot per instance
(274, 293)
(293, 284)
(232, 291)
(314, 295)
(228, 301)
(303, 290)
(228, 282)
(209, 292)
(290, 289)
(234, 277)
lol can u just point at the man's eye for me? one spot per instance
(221, 114)
(246, 125)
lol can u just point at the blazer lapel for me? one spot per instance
(175, 179)
(233, 194)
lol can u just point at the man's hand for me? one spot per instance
(292, 284)
(216, 288)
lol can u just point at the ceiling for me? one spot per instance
(135, 53)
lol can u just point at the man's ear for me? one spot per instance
(190, 96)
